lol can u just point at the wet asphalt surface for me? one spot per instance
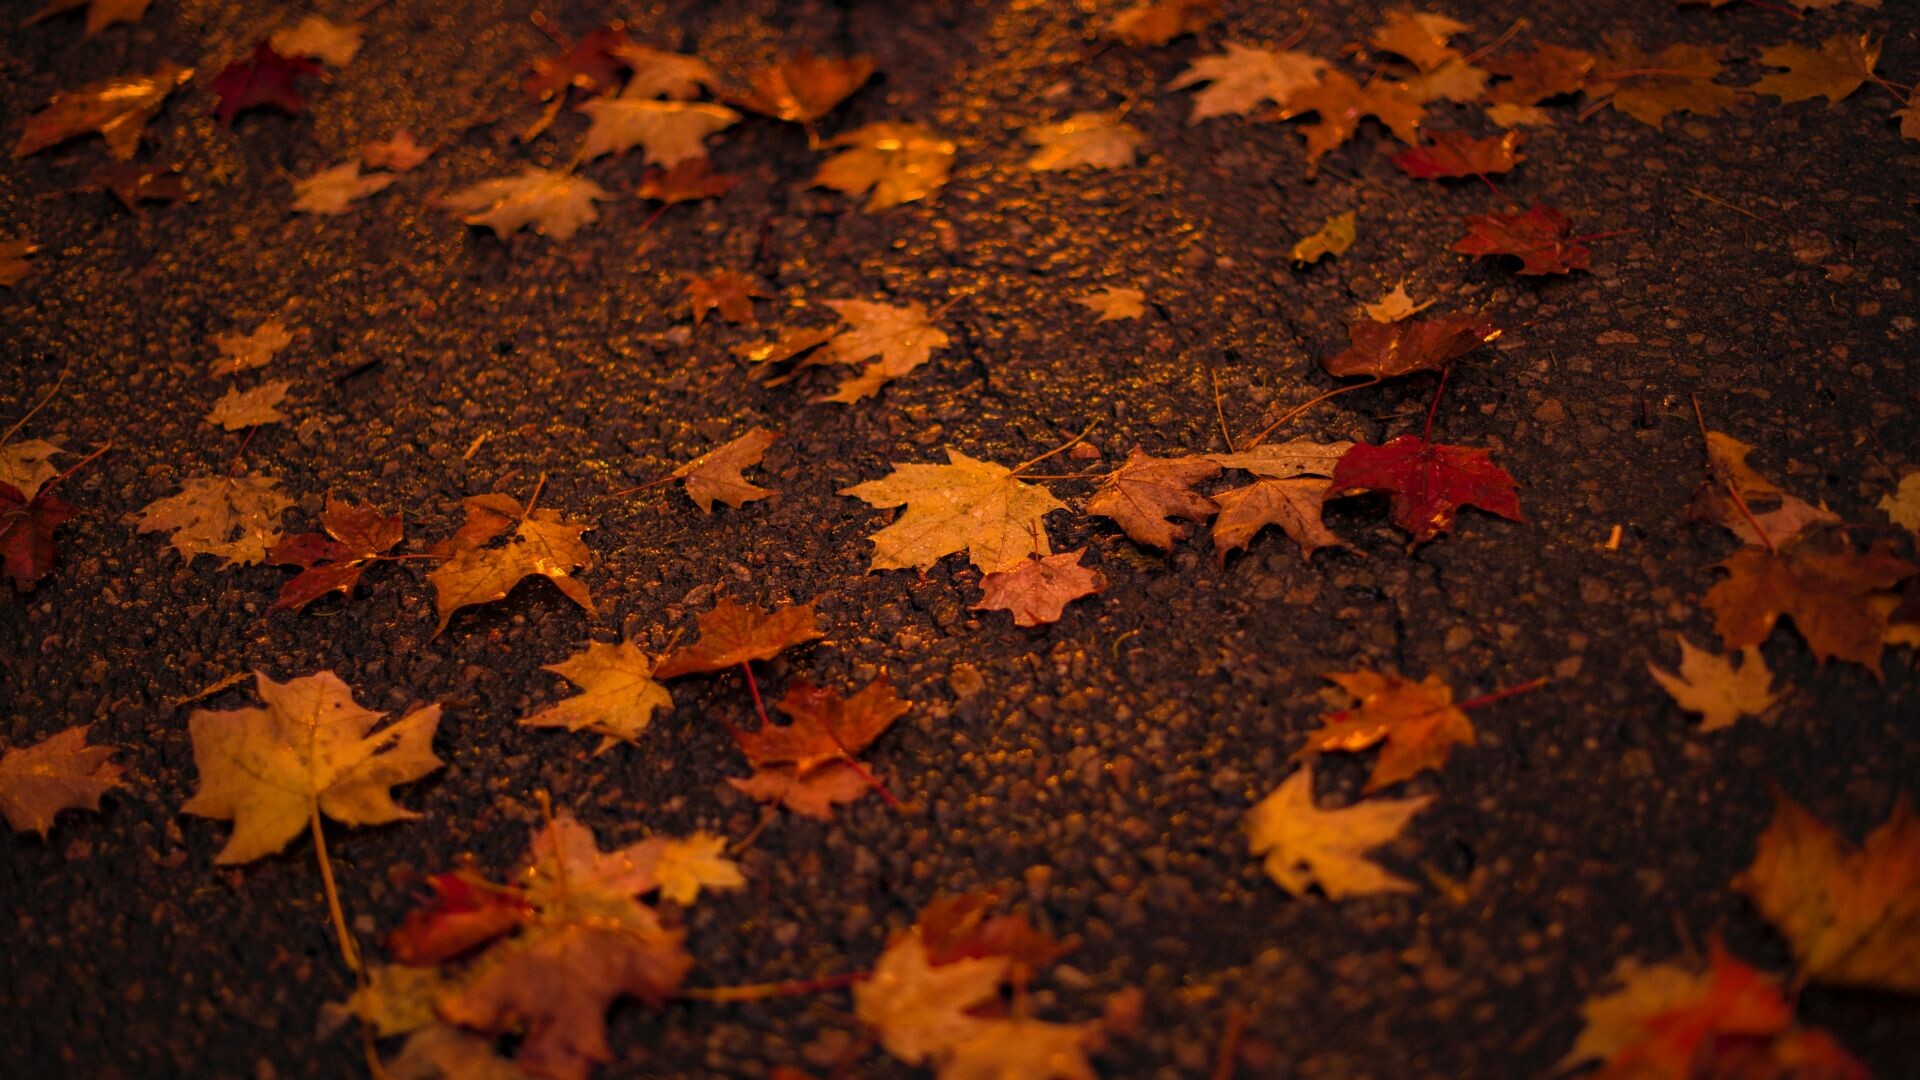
(1094, 772)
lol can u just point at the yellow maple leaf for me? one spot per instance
(966, 505)
(1306, 846)
(686, 866)
(1332, 238)
(716, 474)
(889, 163)
(1417, 721)
(1836, 69)
(896, 338)
(618, 698)
(236, 518)
(60, 772)
(1708, 683)
(239, 408)
(921, 1011)
(1115, 302)
(1244, 77)
(669, 131)
(542, 544)
(1092, 140)
(1021, 1049)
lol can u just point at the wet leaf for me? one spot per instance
(238, 409)
(1156, 22)
(728, 292)
(356, 534)
(244, 352)
(921, 1011)
(804, 87)
(1416, 725)
(28, 464)
(1902, 507)
(1451, 154)
(1115, 302)
(1017, 1047)
(1038, 590)
(1829, 594)
(60, 772)
(965, 505)
(396, 153)
(331, 43)
(1389, 350)
(1304, 846)
(333, 191)
(1332, 238)
(716, 474)
(688, 181)
(100, 13)
(1394, 306)
(1547, 71)
(1340, 103)
(14, 266)
(1419, 37)
(236, 518)
(137, 184)
(465, 913)
(542, 544)
(824, 729)
(555, 204)
(1291, 505)
(117, 108)
(1649, 88)
(27, 525)
(1542, 239)
(1283, 461)
(669, 132)
(1839, 67)
(1428, 483)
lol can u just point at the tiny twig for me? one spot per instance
(18, 424)
(763, 991)
(1500, 695)
(1030, 463)
(1219, 413)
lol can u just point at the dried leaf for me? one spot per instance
(1293, 505)
(1542, 239)
(236, 518)
(356, 535)
(1038, 590)
(1708, 684)
(716, 474)
(1094, 140)
(889, 163)
(1841, 65)
(920, 1010)
(331, 43)
(1548, 71)
(1156, 22)
(966, 505)
(660, 73)
(1829, 595)
(1010, 1048)
(542, 544)
(732, 634)
(239, 408)
(60, 772)
(556, 204)
(1244, 77)
(310, 751)
(804, 87)
(27, 465)
(396, 153)
(1340, 103)
(825, 727)
(244, 352)
(137, 184)
(14, 266)
(1283, 461)
(901, 338)
(1116, 302)
(1902, 507)
(1389, 350)
(1332, 238)
(465, 913)
(1305, 846)
(333, 191)
(1651, 87)
(1416, 724)
(1394, 306)
(1419, 37)
(1427, 482)
(100, 13)
(117, 108)
(1453, 154)
(618, 693)
(688, 181)
(730, 292)
(669, 132)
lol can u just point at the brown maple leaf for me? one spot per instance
(732, 634)
(1830, 594)
(1341, 104)
(1852, 914)
(1532, 77)
(687, 181)
(618, 695)
(356, 535)
(956, 928)
(14, 266)
(1679, 78)
(1038, 590)
(542, 543)
(1417, 722)
(1838, 68)
(1542, 239)
(100, 13)
(889, 163)
(716, 474)
(1146, 493)
(117, 108)
(727, 291)
(60, 772)
(803, 87)
(1387, 350)
(1739, 499)
(1293, 505)
(813, 795)
(1153, 23)
(134, 184)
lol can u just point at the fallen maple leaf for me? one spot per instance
(813, 794)
(1292, 505)
(887, 162)
(1902, 507)
(803, 87)
(60, 772)
(117, 108)
(1909, 117)
(356, 536)
(965, 505)
(1680, 78)
(826, 729)
(1454, 80)
(1283, 461)
(1739, 499)
(100, 13)
(1306, 846)
(320, 39)
(1038, 590)
(264, 80)
(716, 474)
(732, 634)
(556, 204)
(688, 181)
(899, 338)
(1093, 140)
(1389, 350)
(1417, 725)
(1115, 302)
(542, 543)
(618, 693)
(660, 73)
(669, 132)
(1542, 239)
(1829, 594)
(239, 408)
(592, 64)
(1146, 493)
(27, 524)
(1332, 238)
(963, 927)
(28, 464)
(1708, 684)
(1243, 77)
(1838, 68)
(920, 1010)
(1453, 154)
(243, 352)
(333, 191)
(1548, 71)
(1852, 914)
(1016, 1047)
(14, 266)
(311, 751)
(1427, 482)
(1340, 103)
(136, 184)
(465, 913)
(1419, 37)
(236, 518)
(792, 342)
(396, 153)
(1157, 22)
(728, 291)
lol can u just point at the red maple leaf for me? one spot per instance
(356, 535)
(1427, 482)
(26, 533)
(1541, 238)
(593, 64)
(465, 912)
(954, 928)
(265, 80)
(1454, 154)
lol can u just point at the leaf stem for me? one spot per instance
(71, 469)
(1732, 492)
(763, 991)
(1031, 462)
(1255, 440)
(1501, 695)
(1427, 431)
(348, 952)
(18, 424)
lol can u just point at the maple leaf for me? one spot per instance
(332, 191)
(1739, 499)
(117, 108)
(542, 543)
(60, 772)
(1672, 1022)
(1427, 482)
(135, 184)
(1146, 493)
(556, 204)
(243, 352)
(661, 73)
(26, 533)
(1389, 350)
(1157, 22)
(826, 729)
(1293, 505)
(239, 408)
(356, 536)
(1455, 80)
(792, 342)
(396, 153)
(813, 794)
(1542, 239)
(1332, 238)
(1283, 461)
(965, 505)
(1341, 104)
(1419, 37)
(465, 913)
(1012, 1047)
(27, 465)
(901, 338)
(1094, 140)
(1115, 302)
(14, 266)
(235, 518)
(961, 928)
(1417, 724)
(687, 181)
(1852, 914)
(1842, 63)
(265, 80)
(393, 998)
(1243, 77)
(592, 64)
(310, 751)
(1305, 846)
(618, 694)
(730, 292)
(1547, 71)
(670, 132)
(686, 866)
(1650, 87)
(921, 1010)
(803, 87)
(1453, 154)
(733, 634)
(1829, 594)
(887, 162)
(445, 1052)
(1710, 685)
(100, 13)
(320, 39)
(1902, 507)
(716, 474)
(1038, 590)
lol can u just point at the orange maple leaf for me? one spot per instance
(732, 634)
(1417, 724)
(1830, 594)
